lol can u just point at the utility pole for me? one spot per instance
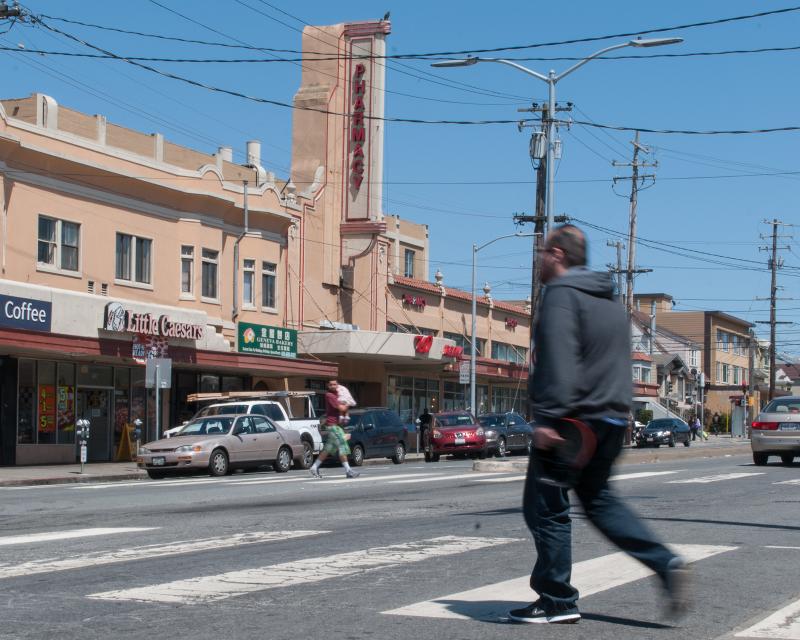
(617, 271)
(775, 263)
(13, 12)
(538, 153)
(635, 178)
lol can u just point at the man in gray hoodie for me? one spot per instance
(582, 372)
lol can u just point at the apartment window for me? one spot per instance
(722, 340)
(59, 242)
(187, 269)
(508, 352)
(210, 273)
(694, 358)
(641, 373)
(269, 277)
(409, 271)
(726, 373)
(134, 258)
(249, 283)
(736, 375)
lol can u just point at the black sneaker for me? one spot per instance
(353, 474)
(535, 614)
(676, 582)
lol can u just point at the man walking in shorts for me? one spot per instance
(336, 439)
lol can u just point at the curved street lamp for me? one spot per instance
(551, 79)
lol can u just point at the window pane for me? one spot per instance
(123, 257)
(209, 276)
(46, 402)
(69, 245)
(143, 247)
(186, 276)
(268, 291)
(47, 240)
(247, 288)
(409, 266)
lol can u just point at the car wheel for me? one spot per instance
(399, 453)
(284, 460)
(218, 463)
(307, 459)
(501, 450)
(787, 458)
(156, 475)
(671, 442)
(760, 459)
(357, 456)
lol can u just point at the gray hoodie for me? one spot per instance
(583, 350)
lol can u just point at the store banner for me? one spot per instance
(24, 313)
(47, 408)
(267, 341)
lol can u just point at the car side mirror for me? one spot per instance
(368, 427)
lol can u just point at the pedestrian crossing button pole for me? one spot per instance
(83, 434)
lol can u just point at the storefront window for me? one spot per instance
(482, 398)
(318, 399)
(122, 394)
(65, 417)
(95, 376)
(139, 399)
(232, 383)
(26, 402)
(400, 397)
(185, 383)
(209, 383)
(454, 397)
(46, 402)
(508, 399)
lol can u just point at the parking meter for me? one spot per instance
(137, 433)
(82, 431)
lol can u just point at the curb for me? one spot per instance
(521, 465)
(80, 479)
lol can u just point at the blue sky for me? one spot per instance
(466, 182)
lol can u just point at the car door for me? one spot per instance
(269, 438)
(513, 433)
(390, 427)
(243, 445)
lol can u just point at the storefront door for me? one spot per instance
(95, 406)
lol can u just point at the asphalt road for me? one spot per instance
(411, 551)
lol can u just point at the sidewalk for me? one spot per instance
(102, 472)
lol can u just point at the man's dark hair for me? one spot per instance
(572, 242)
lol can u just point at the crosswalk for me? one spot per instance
(489, 601)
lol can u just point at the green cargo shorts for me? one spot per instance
(336, 441)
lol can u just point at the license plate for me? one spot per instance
(650, 438)
(461, 441)
(789, 426)
(158, 462)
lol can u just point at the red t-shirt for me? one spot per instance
(331, 408)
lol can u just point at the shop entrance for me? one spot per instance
(94, 404)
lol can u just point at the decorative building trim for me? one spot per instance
(361, 227)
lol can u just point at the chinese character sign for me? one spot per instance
(267, 341)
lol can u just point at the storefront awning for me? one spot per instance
(387, 346)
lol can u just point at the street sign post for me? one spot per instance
(463, 372)
(158, 376)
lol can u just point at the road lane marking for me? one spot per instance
(187, 482)
(503, 479)
(784, 624)
(643, 474)
(369, 478)
(780, 547)
(459, 476)
(70, 534)
(795, 481)
(718, 478)
(218, 587)
(148, 552)
(493, 601)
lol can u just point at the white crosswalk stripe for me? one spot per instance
(718, 478)
(213, 588)
(590, 576)
(458, 476)
(642, 474)
(796, 481)
(784, 624)
(326, 481)
(69, 535)
(503, 479)
(148, 552)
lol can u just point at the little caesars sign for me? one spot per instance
(120, 319)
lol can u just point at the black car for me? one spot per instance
(376, 432)
(664, 431)
(506, 432)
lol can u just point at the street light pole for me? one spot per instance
(551, 79)
(473, 338)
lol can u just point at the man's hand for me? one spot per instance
(546, 438)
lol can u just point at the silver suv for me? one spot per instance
(776, 431)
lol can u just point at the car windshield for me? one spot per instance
(211, 426)
(217, 409)
(455, 420)
(490, 421)
(656, 425)
(783, 405)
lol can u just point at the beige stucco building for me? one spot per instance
(118, 245)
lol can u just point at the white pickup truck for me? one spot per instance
(278, 406)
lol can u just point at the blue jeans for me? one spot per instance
(546, 510)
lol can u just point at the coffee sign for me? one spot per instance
(23, 313)
(120, 319)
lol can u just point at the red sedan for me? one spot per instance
(454, 432)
